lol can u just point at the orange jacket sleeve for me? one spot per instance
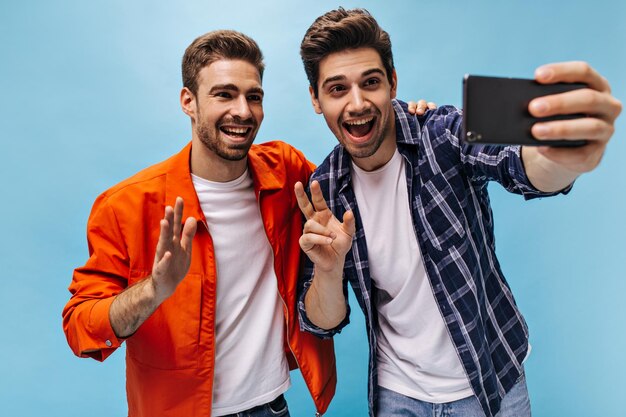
(94, 286)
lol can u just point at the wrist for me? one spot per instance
(156, 291)
(329, 273)
(545, 174)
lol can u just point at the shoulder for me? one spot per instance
(146, 178)
(282, 160)
(277, 151)
(443, 118)
(443, 124)
(132, 192)
(331, 166)
(441, 129)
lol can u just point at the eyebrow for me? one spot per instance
(373, 71)
(343, 77)
(256, 90)
(218, 87)
(233, 87)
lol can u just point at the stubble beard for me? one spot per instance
(377, 138)
(209, 136)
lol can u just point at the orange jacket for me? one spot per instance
(170, 359)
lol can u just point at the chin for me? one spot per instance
(235, 153)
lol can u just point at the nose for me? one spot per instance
(241, 108)
(357, 101)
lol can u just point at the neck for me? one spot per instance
(206, 164)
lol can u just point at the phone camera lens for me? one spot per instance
(473, 136)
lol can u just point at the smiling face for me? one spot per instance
(226, 113)
(354, 95)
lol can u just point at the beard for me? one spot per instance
(209, 135)
(365, 150)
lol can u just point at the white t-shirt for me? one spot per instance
(415, 356)
(250, 364)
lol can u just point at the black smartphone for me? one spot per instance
(495, 110)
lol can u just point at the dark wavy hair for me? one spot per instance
(339, 30)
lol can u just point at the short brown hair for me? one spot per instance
(215, 45)
(339, 30)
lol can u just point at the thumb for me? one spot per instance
(162, 265)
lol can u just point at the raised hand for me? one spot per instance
(173, 252)
(325, 239)
(173, 256)
(421, 107)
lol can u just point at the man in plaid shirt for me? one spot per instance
(416, 239)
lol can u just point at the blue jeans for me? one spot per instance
(391, 404)
(275, 408)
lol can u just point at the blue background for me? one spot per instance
(89, 95)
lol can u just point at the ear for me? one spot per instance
(188, 103)
(394, 84)
(315, 101)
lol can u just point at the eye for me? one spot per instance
(257, 98)
(336, 89)
(371, 82)
(223, 94)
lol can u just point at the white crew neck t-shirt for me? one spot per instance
(415, 357)
(250, 364)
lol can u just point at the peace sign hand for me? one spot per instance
(325, 239)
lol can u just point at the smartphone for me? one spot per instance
(495, 110)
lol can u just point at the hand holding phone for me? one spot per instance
(551, 168)
(495, 110)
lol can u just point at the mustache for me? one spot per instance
(238, 121)
(364, 113)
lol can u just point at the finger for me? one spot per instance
(582, 128)
(169, 216)
(165, 235)
(578, 160)
(163, 243)
(189, 231)
(303, 201)
(432, 105)
(317, 197)
(311, 226)
(422, 106)
(412, 107)
(163, 264)
(572, 72)
(309, 241)
(585, 101)
(349, 226)
(178, 217)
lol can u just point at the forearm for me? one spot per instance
(132, 307)
(544, 174)
(325, 301)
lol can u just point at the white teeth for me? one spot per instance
(237, 130)
(358, 122)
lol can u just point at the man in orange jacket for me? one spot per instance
(206, 306)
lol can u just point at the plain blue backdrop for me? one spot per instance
(89, 96)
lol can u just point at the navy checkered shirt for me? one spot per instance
(447, 184)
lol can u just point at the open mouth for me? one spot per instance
(359, 128)
(236, 131)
